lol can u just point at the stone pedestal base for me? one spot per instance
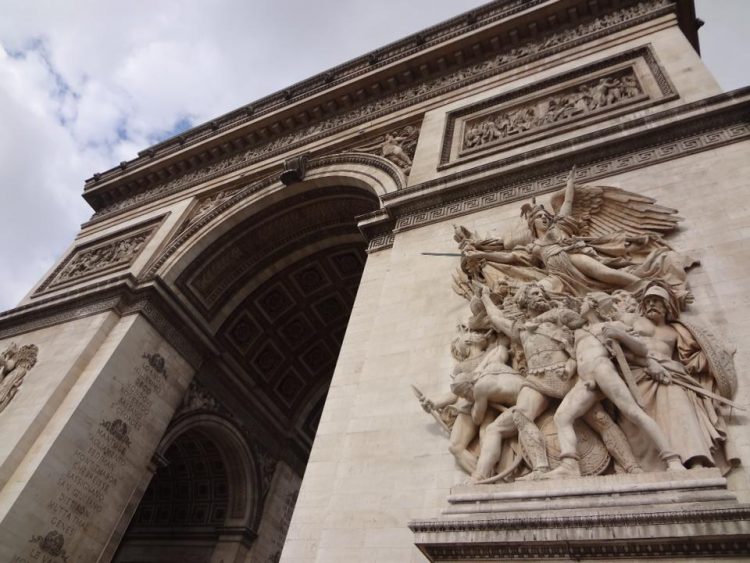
(663, 515)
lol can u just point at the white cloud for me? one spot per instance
(85, 85)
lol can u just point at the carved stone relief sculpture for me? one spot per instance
(15, 363)
(397, 146)
(581, 347)
(206, 204)
(597, 95)
(100, 257)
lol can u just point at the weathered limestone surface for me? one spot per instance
(233, 252)
(80, 472)
(387, 454)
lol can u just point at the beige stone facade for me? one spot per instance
(226, 351)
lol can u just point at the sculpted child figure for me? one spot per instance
(492, 384)
(468, 349)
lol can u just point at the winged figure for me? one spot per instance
(596, 238)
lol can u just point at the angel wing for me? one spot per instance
(603, 210)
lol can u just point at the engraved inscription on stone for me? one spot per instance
(83, 490)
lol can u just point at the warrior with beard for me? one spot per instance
(545, 335)
(598, 379)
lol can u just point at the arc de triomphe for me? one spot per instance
(220, 367)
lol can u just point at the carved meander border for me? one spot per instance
(615, 156)
(452, 156)
(146, 230)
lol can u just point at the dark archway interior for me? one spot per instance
(276, 291)
(186, 501)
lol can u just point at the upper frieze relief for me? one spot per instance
(255, 147)
(629, 82)
(100, 257)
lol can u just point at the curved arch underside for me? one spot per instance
(192, 489)
(276, 292)
(267, 239)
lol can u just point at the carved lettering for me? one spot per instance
(82, 491)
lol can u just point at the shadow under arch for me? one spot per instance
(206, 494)
(370, 173)
(245, 504)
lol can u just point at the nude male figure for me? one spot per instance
(493, 383)
(599, 379)
(473, 353)
(551, 367)
(550, 371)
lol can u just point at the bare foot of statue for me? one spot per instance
(568, 469)
(635, 470)
(674, 464)
(475, 478)
(535, 475)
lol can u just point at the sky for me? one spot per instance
(85, 84)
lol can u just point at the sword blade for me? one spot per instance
(627, 375)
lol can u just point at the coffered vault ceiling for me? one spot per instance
(278, 290)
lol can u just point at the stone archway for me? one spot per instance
(203, 502)
(272, 281)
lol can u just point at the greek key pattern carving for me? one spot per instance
(586, 173)
(100, 257)
(430, 536)
(517, 56)
(381, 242)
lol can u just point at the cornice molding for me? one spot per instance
(703, 125)
(223, 158)
(415, 43)
(118, 295)
(691, 128)
(712, 532)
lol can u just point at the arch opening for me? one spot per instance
(275, 291)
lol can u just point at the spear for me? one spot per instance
(432, 411)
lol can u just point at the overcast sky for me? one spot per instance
(87, 84)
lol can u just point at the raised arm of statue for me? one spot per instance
(498, 320)
(443, 401)
(498, 257)
(570, 191)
